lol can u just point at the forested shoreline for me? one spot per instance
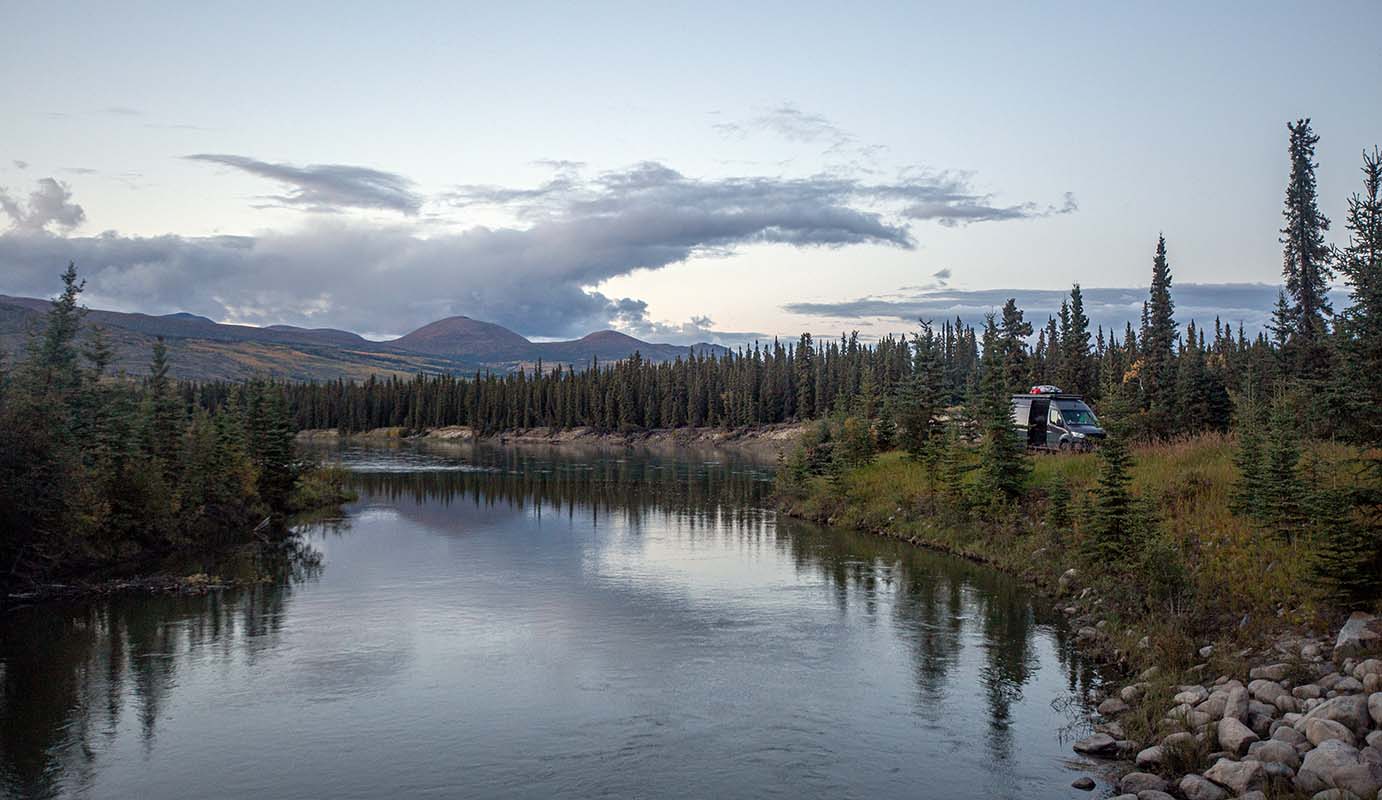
(96, 467)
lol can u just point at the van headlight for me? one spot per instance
(1076, 435)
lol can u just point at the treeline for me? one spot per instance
(97, 468)
(1304, 399)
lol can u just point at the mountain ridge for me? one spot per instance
(204, 349)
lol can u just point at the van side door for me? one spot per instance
(1055, 427)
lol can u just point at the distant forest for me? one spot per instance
(1177, 380)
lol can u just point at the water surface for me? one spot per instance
(534, 623)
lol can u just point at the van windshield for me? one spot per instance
(1078, 414)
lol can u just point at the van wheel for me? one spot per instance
(1065, 447)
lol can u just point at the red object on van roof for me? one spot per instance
(1045, 388)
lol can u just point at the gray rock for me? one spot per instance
(1348, 710)
(1334, 794)
(1139, 782)
(1195, 787)
(1100, 744)
(1288, 735)
(1273, 751)
(1207, 651)
(1307, 692)
(1375, 708)
(1085, 784)
(1153, 794)
(1215, 704)
(1133, 693)
(1153, 756)
(1375, 739)
(1253, 796)
(1271, 672)
(1319, 731)
(1337, 765)
(1067, 580)
(1349, 686)
(1112, 707)
(1234, 736)
(1360, 636)
(1372, 683)
(1237, 704)
(1278, 772)
(1086, 634)
(1238, 776)
(1191, 695)
(1372, 666)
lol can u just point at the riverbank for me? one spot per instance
(201, 567)
(1214, 622)
(768, 439)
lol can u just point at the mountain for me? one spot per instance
(203, 349)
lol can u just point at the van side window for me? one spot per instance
(1054, 417)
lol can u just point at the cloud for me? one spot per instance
(122, 111)
(49, 204)
(951, 212)
(1233, 303)
(328, 187)
(21, 164)
(571, 233)
(631, 317)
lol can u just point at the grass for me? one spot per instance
(1222, 581)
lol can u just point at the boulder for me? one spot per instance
(1100, 744)
(1236, 705)
(1351, 711)
(1195, 787)
(1234, 736)
(1112, 707)
(1375, 708)
(1338, 765)
(1086, 635)
(1271, 672)
(1308, 691)
(1237, 776)
(1372, 666)
(1215, 704)
(1132, 693)
(1153, 794)
(1372, 683)
(1334, 794)
(1273, 751)
(1319, 731)
(1375, 739)
(1066, 580)
(1139, 782)
(1191, 695)
(1288, 735)
(1349, 686)
(1086, 784)
(1153, 756)
(1361, 636)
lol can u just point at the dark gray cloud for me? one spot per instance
(50, 204)
(953, 211)
(631, 316)
(328, 187)
(1232, 303)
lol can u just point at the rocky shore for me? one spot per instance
(1300, 718)
(768, 439)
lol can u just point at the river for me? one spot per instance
(489, 622)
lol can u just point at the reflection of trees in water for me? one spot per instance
(67, 671)
(636, 490)
(938, 601)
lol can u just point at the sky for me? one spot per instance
(680, 171)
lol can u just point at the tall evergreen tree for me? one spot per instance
(1076, 362)
(1004, 465)
(1158, 343)
(1305, 255)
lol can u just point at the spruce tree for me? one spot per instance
(1158, 344)
(1305, 255)
(1357, 388)
(1013, 344)
(1284, 492)
(1076, 363)
(1249, 489)
(1003, 465)
(1112, 519)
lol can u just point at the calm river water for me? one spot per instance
(505, 623)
